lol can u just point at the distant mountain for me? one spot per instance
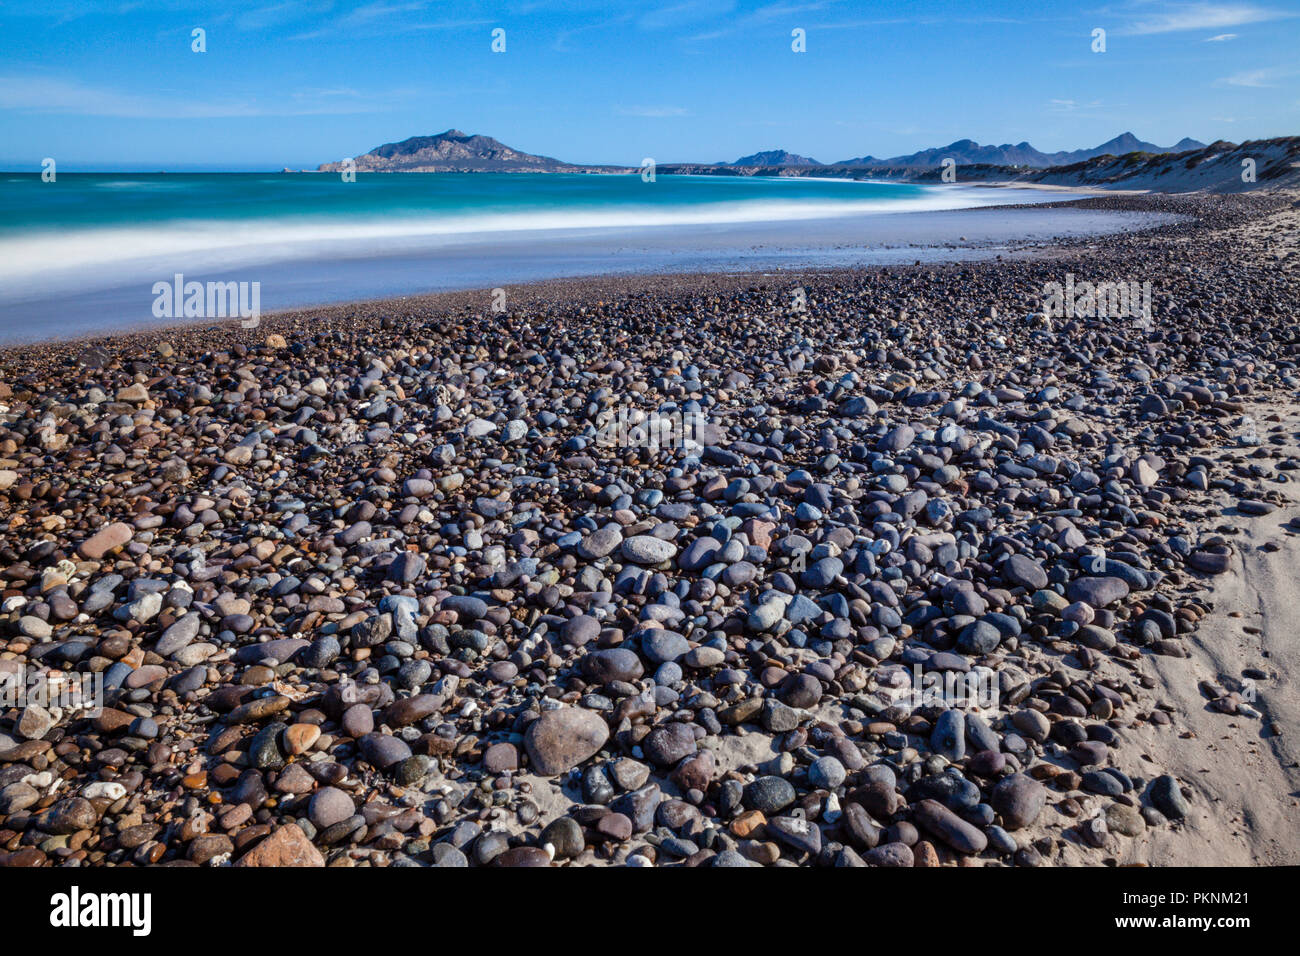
(1214, 168)
(963, 152)
(455, 152)
(774, 157)
(1124, 144)
(966, 152)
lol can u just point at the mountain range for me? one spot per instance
(1219, 167)
(456, 152)
(968, 152)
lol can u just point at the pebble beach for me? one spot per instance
(373, 585)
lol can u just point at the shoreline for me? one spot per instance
(344, 569)
(1097, 191)
(939, 237)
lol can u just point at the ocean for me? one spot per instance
(84, 253)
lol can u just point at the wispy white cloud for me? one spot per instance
(69, 97)
(677, 14)
(383, 19)
(806, 16)
(452, 24)
(764, 15)
(1254, 78)
(370, 12)
(1221, 38)
(653, 112)
(599, 27)
(277, 14)
(1176, 17)
(1072, 106)
(1263, 78)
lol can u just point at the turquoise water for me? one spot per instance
(88, 200)
(83, 253)
(96, 220)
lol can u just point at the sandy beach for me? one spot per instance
(412, 582)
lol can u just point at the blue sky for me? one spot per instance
(300, 82)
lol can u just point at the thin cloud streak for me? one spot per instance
(1256, 79)
(653, 112)
(1202, 16)
(28, 95)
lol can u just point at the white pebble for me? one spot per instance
(104, 788)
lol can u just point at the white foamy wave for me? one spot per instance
(30, 261)
(140, 185)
